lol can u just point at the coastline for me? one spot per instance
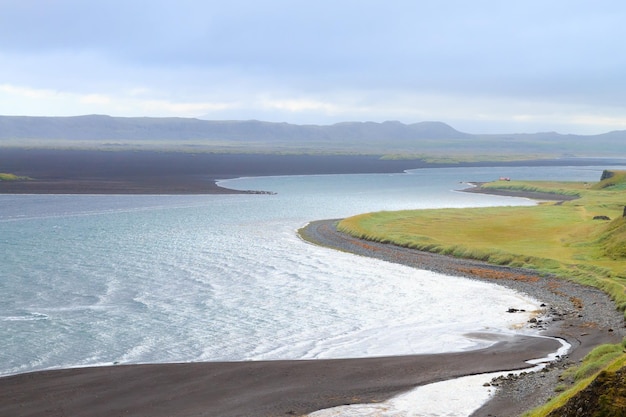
(476, 188)
(149, 389)
(583, 316)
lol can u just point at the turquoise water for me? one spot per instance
(89, 280)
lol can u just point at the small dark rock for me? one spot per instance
(601, 218)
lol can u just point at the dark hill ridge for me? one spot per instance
(144, 128)
(253, 136)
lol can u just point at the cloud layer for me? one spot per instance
(482, 66)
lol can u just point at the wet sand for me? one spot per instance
(262, 388)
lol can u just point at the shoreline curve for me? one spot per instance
(583, 316)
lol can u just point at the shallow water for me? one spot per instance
(89, 280)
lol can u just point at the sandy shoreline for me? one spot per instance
(583, 316)
(259, 388)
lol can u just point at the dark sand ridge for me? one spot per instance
(57, 171)
(125, 172)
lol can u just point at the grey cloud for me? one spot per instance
(561, 50)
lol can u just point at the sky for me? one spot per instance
(482, 66)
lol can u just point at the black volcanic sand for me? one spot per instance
(254, 388)
(167, 172)
(147, 172)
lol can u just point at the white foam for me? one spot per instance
(454, 398)
(458, 397)
(26, 317)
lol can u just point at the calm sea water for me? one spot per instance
(88, 280)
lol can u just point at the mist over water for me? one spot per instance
(89, 280)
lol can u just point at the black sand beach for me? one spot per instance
(275, 388)
(126, 172)
(583, 316)
(55, 171)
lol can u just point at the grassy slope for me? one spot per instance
(561, 239)
(603, 361)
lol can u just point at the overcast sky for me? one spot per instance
(481, 66)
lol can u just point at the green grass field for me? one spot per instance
(561, 238)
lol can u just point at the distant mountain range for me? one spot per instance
(255, 136)
(145, 128)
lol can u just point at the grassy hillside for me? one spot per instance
(570, 239)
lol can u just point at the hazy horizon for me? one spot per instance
(329, 123)
(481, 67)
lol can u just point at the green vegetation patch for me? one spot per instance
(597, 386)
(614, 239)
(571, 239)
(12, 177)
